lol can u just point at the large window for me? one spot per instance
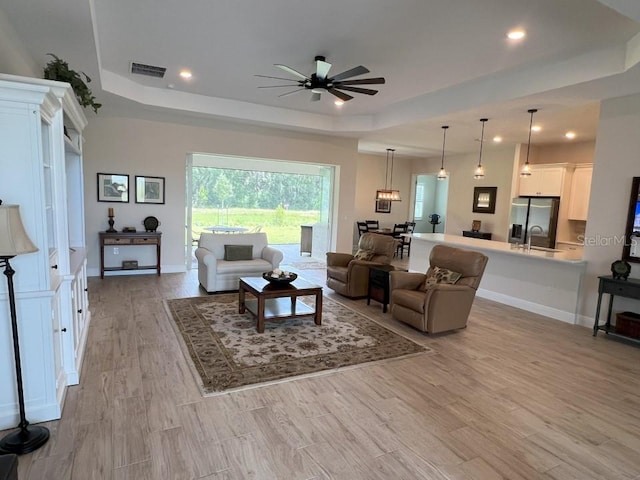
(419, 205)
(248, 194)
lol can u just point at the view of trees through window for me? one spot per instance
(276, 203)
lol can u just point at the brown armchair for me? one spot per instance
(348, 275)
(440, 307)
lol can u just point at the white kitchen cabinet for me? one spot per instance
(580, 192)
(42, 172)
(544, 181)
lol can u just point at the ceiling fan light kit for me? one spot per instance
(320, 82)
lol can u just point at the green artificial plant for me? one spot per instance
(57, 69)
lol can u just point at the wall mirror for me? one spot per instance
(631, 250)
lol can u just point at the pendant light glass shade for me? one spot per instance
(479, 172)
(526, 169)
(387, 193)
(442, 175)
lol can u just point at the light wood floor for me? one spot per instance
(513, 396)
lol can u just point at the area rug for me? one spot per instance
(227, 352)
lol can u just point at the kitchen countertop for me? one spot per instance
(573, 257)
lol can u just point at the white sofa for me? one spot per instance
(216, 274)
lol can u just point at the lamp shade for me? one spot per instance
(392, 195)
(13, 237)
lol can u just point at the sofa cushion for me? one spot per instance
(412, 299)
(234, 253)
(215, 242)
(364, 254)
(240, 267)
(437, 275)
(338, 273)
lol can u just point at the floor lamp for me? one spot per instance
(15, 241)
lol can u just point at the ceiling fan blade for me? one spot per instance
(277, 78)
(341, 95)
(362, 81)
(322, 69)
(294, 91)
(351, 73)
(315, 97)
(291, 71)
(276, 86)
(366, 91)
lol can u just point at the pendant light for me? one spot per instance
(442, 175)
(526, 169)
(479, 172)
(388, 193)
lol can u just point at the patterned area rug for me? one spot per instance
(228, 353)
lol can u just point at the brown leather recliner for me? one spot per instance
(441, 307)
(349, 276)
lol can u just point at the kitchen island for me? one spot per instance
(539, 281)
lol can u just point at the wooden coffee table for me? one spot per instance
(278, 302)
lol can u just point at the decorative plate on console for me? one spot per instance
(151, 224)
(620, 269)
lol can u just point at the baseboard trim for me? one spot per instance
(95, 272)
(556, 314)
(42, 413)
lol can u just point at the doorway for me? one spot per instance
(429, 198)
(290, 201)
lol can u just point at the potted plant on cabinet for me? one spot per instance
(57, 69)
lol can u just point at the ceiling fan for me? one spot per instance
(320, 81)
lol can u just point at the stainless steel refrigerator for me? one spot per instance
(535, 217)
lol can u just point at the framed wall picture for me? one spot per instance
(113, 187)
(383, 206)
(149, 189)
(484, 199)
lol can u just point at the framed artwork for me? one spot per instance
(383, 206)
(484, 199)
(113, 187)
(149, 189)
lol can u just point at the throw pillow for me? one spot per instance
(233, 253)
(440, 275)
(363, 254)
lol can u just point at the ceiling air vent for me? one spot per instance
(148, 70)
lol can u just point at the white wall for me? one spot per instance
(615, 164)
(14, 58)
(498, 164)
(158, 148)
(370, 177)
(567, 152)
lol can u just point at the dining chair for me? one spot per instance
(362, 228)
(372, 224)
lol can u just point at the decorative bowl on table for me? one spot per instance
(279, 278)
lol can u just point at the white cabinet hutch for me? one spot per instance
(41, 126)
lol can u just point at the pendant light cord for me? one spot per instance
(444, 139)
(385, 178)
(386, 171)
(483, 120)
(532, 111)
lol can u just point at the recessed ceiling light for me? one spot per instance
(186, 74)
(497, 139)
(516, 34)
(536, 128)
(339, 103)
(570, 135)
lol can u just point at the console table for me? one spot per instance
(629, 288)
(129, 239)
(476, 234)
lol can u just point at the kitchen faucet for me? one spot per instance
(541, 230)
